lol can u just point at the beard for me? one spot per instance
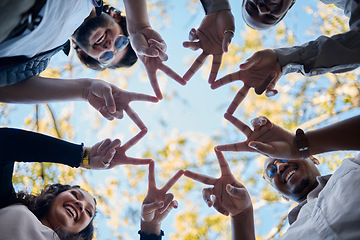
(83, 33)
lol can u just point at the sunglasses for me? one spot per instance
(120, 43)
(271, 169)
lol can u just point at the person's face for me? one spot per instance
(99, 34)
(262, 14)
(294, 178)
(71, 211)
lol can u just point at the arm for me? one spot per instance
(211, 6)
(274, 141)
(339, 53)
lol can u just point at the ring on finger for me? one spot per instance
(230, 31)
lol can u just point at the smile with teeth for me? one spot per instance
(71, 211)
(288, 176)
(101, 39)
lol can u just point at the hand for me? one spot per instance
(230, 196)
(261, 72)
(110, 101)
(150, 48)
(267, 138)
(102, 153)
(157, 203)
(212, 39)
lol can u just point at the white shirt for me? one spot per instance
(17, 222)
(332, 210)
(60, 20)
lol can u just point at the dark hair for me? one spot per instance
(127, 60)
(39, 205)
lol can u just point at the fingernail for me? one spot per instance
(252, 145)
(269, 93)
(160, 204)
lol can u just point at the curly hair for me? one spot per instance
(127, 60)
(39, 205)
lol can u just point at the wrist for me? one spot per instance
(85, 162)
(302, 144)
(85, 87)
(150, 227)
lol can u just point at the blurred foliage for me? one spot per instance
(302, 101)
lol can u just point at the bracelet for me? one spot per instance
(153, 236)
(86, 159)
(302, 143)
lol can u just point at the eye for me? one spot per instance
(271, 17)
(75, 194)
(271, 171)
(89, 213)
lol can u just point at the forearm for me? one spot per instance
(150, 228)
(344, 135)
(25, 146)
(136, 15)
(339, 53)
(40, 89)
(242, 225)
(211, 6)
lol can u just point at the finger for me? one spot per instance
(236, 192)
(262, 148)
(226, 79)
(154, 83)
(227, 40)
(250, 62)
(160, 45)
(239, 97)
(104, 143)
(151, 177)
(136, 161)
(220, 208)
(105, 112)
(239, 124)
(173, 204)
(206, 194)
(192, 45)
(270, 90)
(192, 35)
(224, 166)
(106, 160)
(200, 177)
(195, 66)
(168, 71)
(215, 68)
(136, 119)
(134, 139)
(134, 96)
(172, 181)
(167, 202)
(109, 100)
(148, 208)
(269, 78)
(259, 121)
(149, 52)
(103, 148)
(162, 55)
(237, 147)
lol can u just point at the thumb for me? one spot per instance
(250, 62)
(109, 100)
(262, 148)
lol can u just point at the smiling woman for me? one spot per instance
(99, 36)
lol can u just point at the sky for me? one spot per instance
(193, 110)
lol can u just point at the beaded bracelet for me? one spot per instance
(86, 159)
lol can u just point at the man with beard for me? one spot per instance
(335, 54)
(328, 205)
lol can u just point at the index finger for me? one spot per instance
(200, 177)
(153, 81)
(269, 78)
(226, 79)
(134, 139)
(136, 119)
(134, 96)
(239, 124)
(239, 97)
(151, 177)
(215, 67)
(224, 166)
(195, 66)
(168, 71)
(172, 181)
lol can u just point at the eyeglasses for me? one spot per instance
(271, 169)
(120, 43)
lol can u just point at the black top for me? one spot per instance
(25, 146)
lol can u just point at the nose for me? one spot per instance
(79, 205)
(263, 8)
(281, 167)
(109, 46)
